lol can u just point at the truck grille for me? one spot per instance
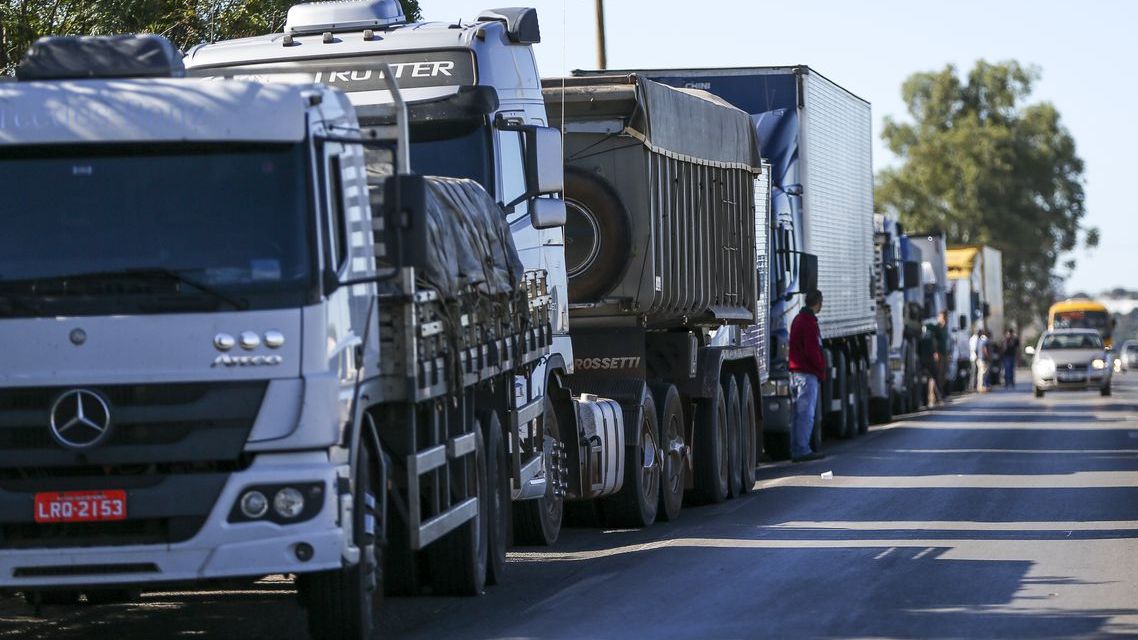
(29, 535)
(151, 424)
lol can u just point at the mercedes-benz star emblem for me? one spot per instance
(80, 419)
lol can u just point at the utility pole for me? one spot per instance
(602, 58)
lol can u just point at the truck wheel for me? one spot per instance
(1038, 392)
(538, 522)
(881, 409)
(598, 236)
(636, 503)
(751, 436)
(851, 399)
(862, 398)
(836, 422)
(343, 604)
(1105, 391)
(709, 455)
(498, 480)
(458, 559)
(734, 453)
(670, 410)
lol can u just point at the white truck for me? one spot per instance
(241, 340)
(477, 110)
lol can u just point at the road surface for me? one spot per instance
(998, 516)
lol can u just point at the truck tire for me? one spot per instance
(836, 422)
(709, 454)
(538, 522)
(344, 604)
(1038, 392)
(636, 503)
(598, 236)
(751, 432)
(734, 452)
(498, 481)
(881, 409)
(458, 560)
(862, 397)
(670, 410)
(852, 399)
(1105, 391)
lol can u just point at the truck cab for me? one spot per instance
(179, 361)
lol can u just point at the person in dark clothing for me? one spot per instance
(807, 371)
(928, 356)
(1011, 350)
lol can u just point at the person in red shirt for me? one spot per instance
(807, 371)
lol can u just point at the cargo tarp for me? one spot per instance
(470, 240)
(688, 124)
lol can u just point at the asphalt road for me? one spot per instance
(998, 516)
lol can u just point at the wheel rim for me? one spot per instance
(673, 456)
(649, 470)
(554, 505)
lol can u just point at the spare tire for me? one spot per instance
(598, 236)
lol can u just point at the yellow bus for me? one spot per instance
(1081, 313)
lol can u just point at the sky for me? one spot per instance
(1085, 51)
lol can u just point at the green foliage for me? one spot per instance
(984, 167)
(185, 22)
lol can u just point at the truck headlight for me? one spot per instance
(288, 503)
(254, 504)
(1098, 363)
(1044, 366)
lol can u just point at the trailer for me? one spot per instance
(817, 137)
(665, 253)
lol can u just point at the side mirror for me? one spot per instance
(892, 278)
(547, 213)
(912, 271)
(1029, 350)
(545, 172)
(807, 272)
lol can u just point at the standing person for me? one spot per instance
(973, 355)
(940, 332)
(983, 356)
(1011, 350)
(927, 354)
(807, 371)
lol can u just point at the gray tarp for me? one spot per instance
(688, 123)
(471, 241)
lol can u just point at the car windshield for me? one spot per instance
(127, 229)
(1056, 341)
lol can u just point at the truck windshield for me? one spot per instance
(455, 149)
(131, 229)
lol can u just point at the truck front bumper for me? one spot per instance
(220, 549)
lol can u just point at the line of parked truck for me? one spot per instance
(365, 301)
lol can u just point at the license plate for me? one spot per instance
(80, 506)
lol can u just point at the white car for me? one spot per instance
(1070, 359)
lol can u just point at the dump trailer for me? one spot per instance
(306, 370)
(817, 137)
(664, 259)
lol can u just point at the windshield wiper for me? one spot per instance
(142, 273)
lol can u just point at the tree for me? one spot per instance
(185, 22)
(984, 167)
